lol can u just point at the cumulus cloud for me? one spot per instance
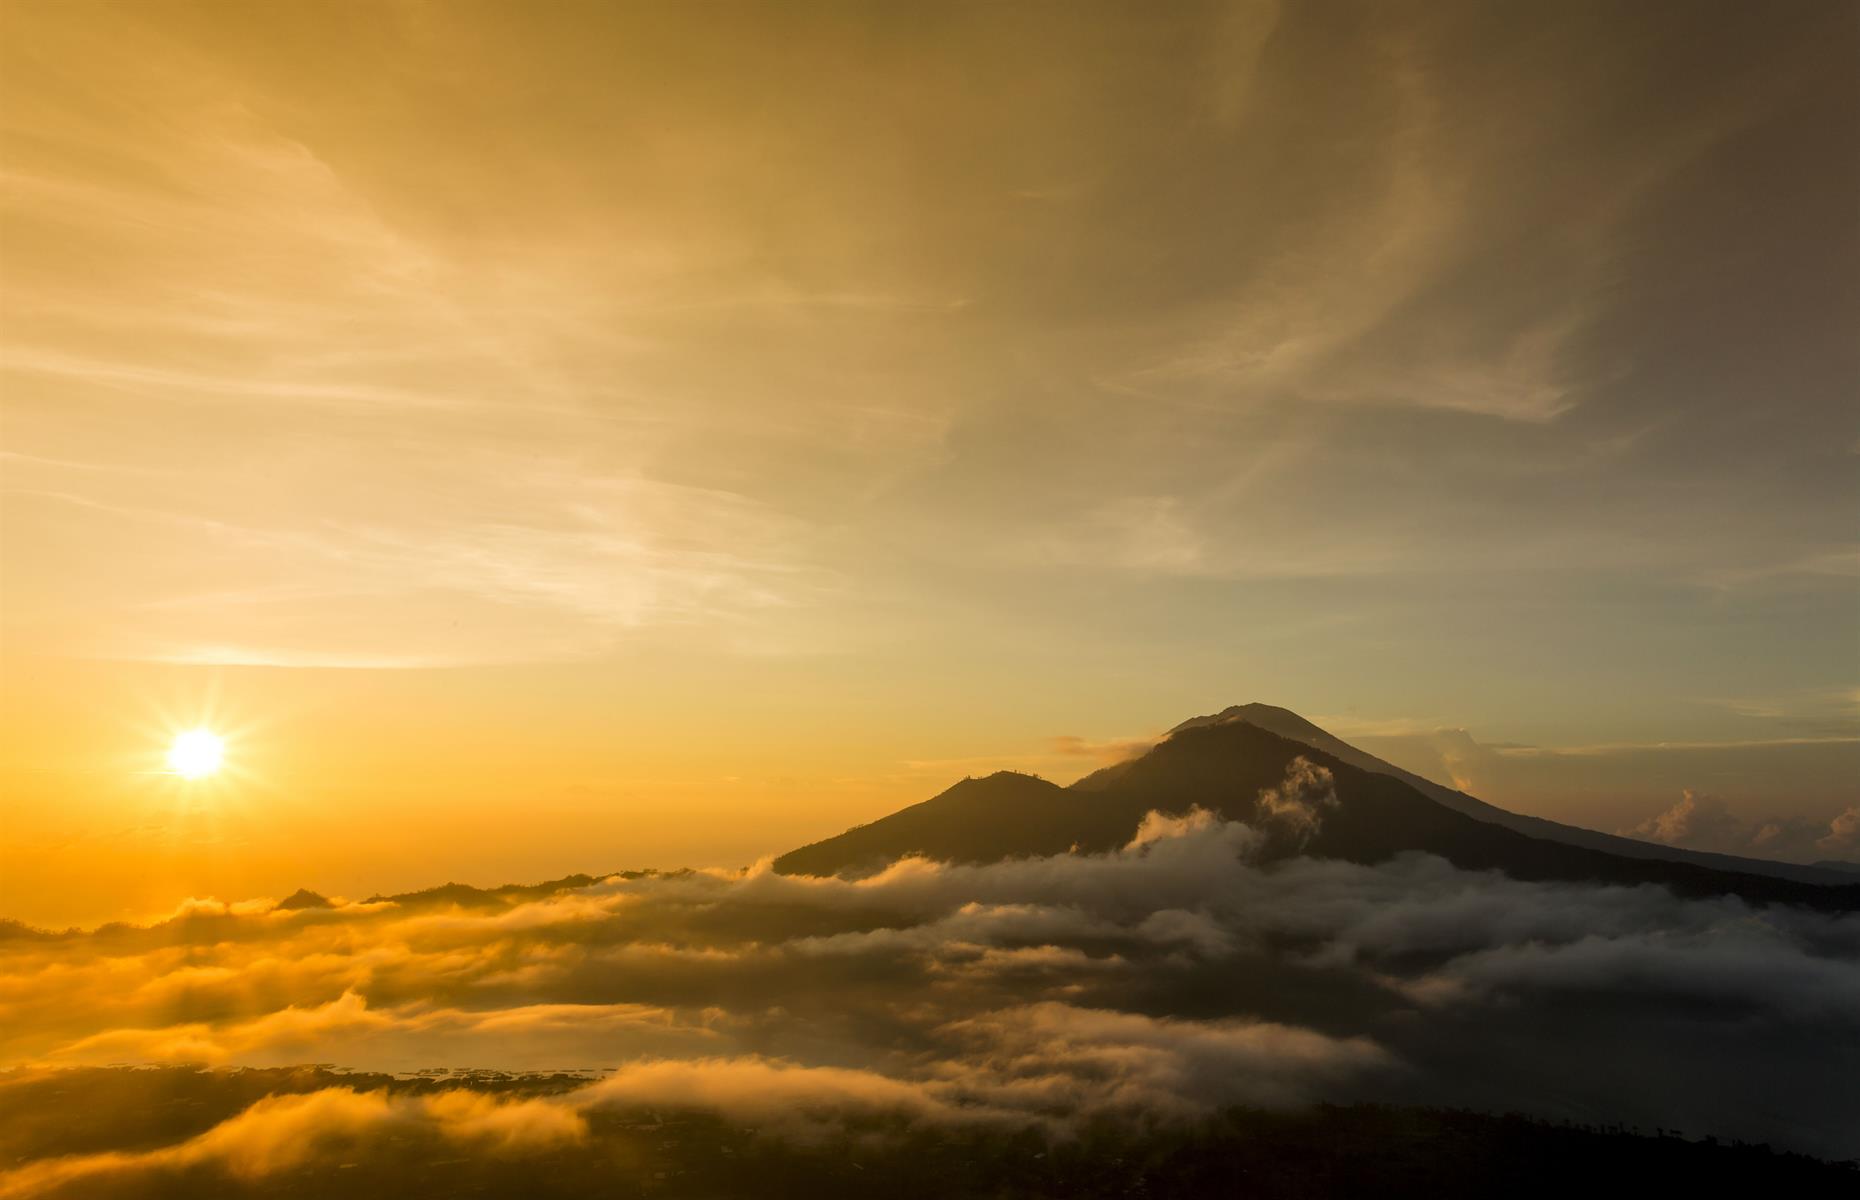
(1697, 821)
(1843, 836)
(1700, 821)
(1298, 804)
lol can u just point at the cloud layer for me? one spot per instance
(1157, 983)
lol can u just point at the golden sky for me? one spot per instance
(568, 437)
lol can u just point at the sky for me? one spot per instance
(573, 437)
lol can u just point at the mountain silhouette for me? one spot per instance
(1289, 724)
(1224, 763)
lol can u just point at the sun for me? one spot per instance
(196, 753)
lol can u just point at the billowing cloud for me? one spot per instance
(1843, 837)
(1696, 821)
(1700, 821)
(1298, 804)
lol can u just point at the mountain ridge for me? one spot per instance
(1225, 765)
(1286, 723)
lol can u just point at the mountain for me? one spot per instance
(1004, 815)
(1289, 724)
(1223, 764)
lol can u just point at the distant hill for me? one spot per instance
(1223, 763)
(447, 894)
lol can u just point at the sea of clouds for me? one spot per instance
(1154, 984)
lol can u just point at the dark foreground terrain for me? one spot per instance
(1363, 1150)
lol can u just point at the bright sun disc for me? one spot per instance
(195, 753)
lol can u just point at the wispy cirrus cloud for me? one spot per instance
(1374, 327)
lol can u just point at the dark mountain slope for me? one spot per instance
(1223, 767)
(1001, 816)
(1289, 724)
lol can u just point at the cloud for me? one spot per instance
(1136, 533)
(1843, 836)
(1091, 1061)
(1043, 1066)
(1787, 781)
(347, 1029)
(507, 1126)
(1105, 753)
(784, 1096)
(1349, 297)
(279, 1133)
(1704, 822)
(1162, 980)
(1748, 968)
(1701, 822)
(1298, 804)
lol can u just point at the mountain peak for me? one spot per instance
(1266, 716)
